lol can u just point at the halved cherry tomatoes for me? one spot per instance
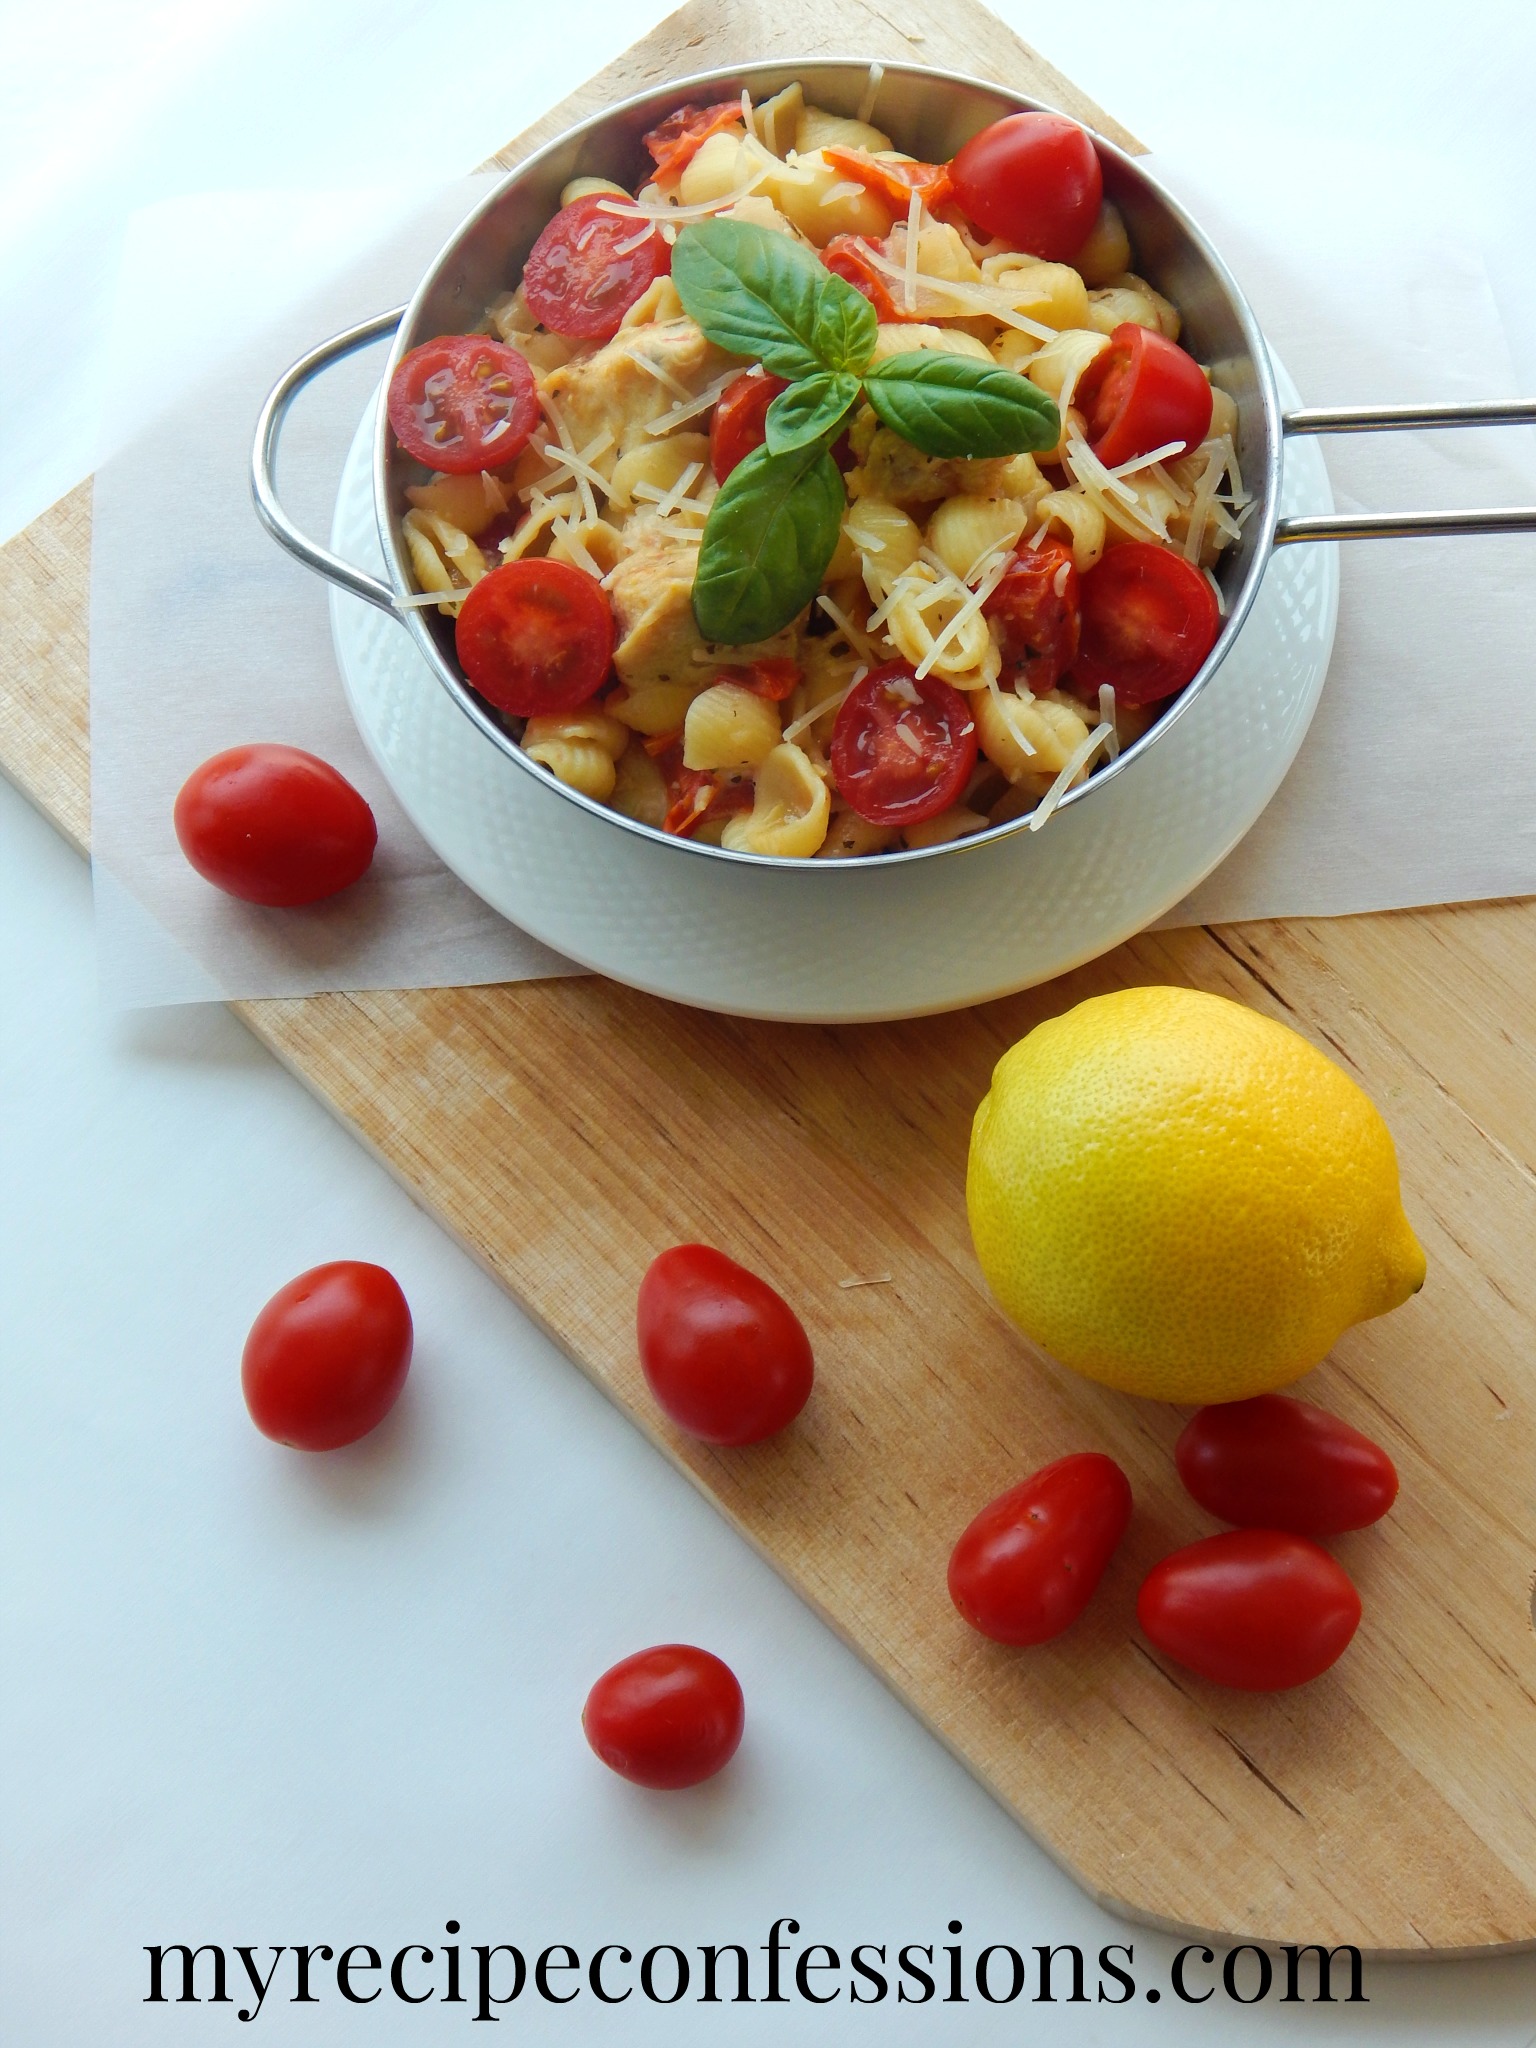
(892, 180)
(327, 1356)
(1035, 180)
(675, 142)
(1149, 619)
(1277, 1463)
(1029, 1564)
(589, 266)
(849, 257)
(1037, 608)
(738, 423)
(536, 636)
(1257, 1609)
(726, 1356)
(462, 403)
(1143, 392)
(666, 1717)
(274, 825)
(902, 750)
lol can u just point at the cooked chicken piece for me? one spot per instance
(614, 389)
(893, 469)
(652, 598)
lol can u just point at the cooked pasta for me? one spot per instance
(950, 573)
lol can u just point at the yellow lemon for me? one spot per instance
(1183, 1199)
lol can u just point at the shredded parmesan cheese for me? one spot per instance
(1107, 717)
(690, 408)
(913, 251)
(857, 640)
(871, 93)
(908, 737)
(1146, 461)
(974, 600)
(1079, 758)
(847, 188)
(660, 372)
(556, 419)
(832, 703)
(1221, 598)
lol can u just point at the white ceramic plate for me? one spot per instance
(802, 944)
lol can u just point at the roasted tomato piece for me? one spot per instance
(1037, 608)
(738, 423)
(675, 142)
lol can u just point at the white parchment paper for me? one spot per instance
(1417, 783)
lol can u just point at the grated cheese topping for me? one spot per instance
(871, 92)
(1079, 758)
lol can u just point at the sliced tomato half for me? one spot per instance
(902, 749)
(463, 403)
(1037, 607)
(1149, 620)
(536, 636)
(590, 265)
(1143, 392)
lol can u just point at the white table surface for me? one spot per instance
(253, 1697)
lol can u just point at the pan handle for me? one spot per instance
(1400, 525)
(269, 430)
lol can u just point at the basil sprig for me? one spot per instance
(961, 406)
(774, 525)
(767, 543)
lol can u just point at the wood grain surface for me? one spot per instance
(566, 1131)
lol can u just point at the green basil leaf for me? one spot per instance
(753, 292)
(846, 325)
(956, 405)
(809, 410)
(767, 542)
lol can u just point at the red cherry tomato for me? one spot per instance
(848, 257)
(536, 636)
(1149, 619)
(675, 142)
(589, 266)
(1254, 1608)
(725, 1355)
(892, 181)
(738, 424)
(463, 403)
(902, 750)
(327, 1356)
(666, 1717)
(774, 676)
(274, 825)
(1143, 392)
(1277, 1463)
(1035, 180)
(1028, 1565)
(1037, 608)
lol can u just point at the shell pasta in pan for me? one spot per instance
(813, 501)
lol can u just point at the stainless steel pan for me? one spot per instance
(930, 113)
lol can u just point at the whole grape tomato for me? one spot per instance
(667, 1717)
(1030, 1562)
(274, 825)
(1033, 179)
(1273, 1462)
(1257, 1609)
(724, 1354)
(326, 1358)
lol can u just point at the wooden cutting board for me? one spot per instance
(566, 1131)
